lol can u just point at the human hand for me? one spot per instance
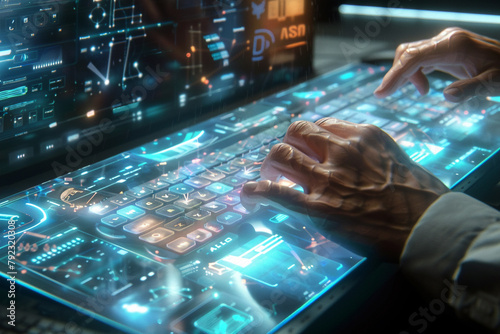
(359, 184)
(472, 58)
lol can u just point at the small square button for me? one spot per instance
(170, 211)
(228, 169)
(131, 212)
(198, 214)
(241, 162)
(203, 195)
(213, 226)
(234, 181)
(102, 208)
(114, 220)
(122, 199)
(192, 169)
(181, 189)
(197, 182)
(139, 192)
(188, 204)
(213, 175)
(214, 207)
(166, 196)
(179, 224)
(181, 245)
(172, 177)
(229, 218)
(240, 208)
(219, 188)
(156, 235)
(229, 200)
(149, 203)
(143, 224)
(156, 184)
(249, 173)
(199, 235)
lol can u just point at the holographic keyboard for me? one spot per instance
(160, 232)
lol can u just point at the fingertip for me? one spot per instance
(250, 187)
(453, 94)
(379, 93)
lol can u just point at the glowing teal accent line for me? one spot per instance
(8, 217)
(187, 142)
(41, 220)
(309, 95)
(347, 75)
(494, 98)
(456, 184)
(418, 14)
(41, 210)
(19, 91)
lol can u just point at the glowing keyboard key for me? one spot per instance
(143, 224)
(219, 188)
(181, 245)
(156, 235)
(131, 212)
(199, 235)
(229, 218)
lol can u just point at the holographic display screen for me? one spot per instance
(80, 77)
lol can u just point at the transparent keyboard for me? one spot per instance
(161, 233)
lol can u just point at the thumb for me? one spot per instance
(272, 193)
(484, 84)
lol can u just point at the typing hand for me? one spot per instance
(472, 58)
(359, 185)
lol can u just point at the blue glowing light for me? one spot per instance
(418, 14)
(279, 218)
(309, 95)
(135, 308)
(347, 75)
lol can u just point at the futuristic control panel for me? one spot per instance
(67, 67)
(156, 240)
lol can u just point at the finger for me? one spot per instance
(484, 84)
(309, 138)
(420, 81)
(285, 160)
(343, 130)
(272, 193)
(443, 50)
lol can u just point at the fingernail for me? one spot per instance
(250, 186)
(453, 94)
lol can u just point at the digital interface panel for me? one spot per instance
(116, 70)
(156, 239)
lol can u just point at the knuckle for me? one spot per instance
(450, 30)
(369, 131)
(297, 128)
(280, 151)
(460, 36)
(402, 47)
(324, 121)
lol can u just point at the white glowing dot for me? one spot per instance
(106, 82)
